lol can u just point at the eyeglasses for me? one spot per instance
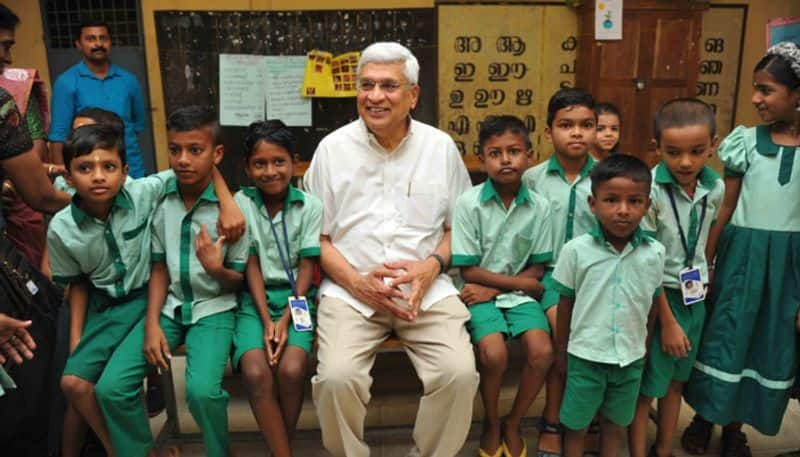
(387, 86)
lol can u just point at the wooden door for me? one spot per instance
(656, 60)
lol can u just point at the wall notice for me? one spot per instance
(249, 84)
(720, 47)
(284, 78)
(241, 89)
(502, 59)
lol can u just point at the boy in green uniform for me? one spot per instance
(99, 246)
(686, 198)
(608, 280)
(191, 297)
(502, 241)
(564, 181)
(280, 266)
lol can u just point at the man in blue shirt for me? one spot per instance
(95, 82)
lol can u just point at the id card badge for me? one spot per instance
(692, 287)
(301, 316)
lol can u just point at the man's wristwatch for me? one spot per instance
(442, 264)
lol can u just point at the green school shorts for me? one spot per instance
(486, 318)
(550, 296)
(249, 333)
(105, 327)
(594, 387)
(662, 368)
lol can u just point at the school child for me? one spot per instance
(501, 239)
(88, 116)
(191, 296)
(686, 197)
(564, 181)
(284, 224)
(748, 358)
(100, 247)
(609, 282)
(608, 125)
(103, 308)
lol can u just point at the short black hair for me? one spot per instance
(497, 125)
(86, 139)
(683, 112)
(90, 23)
(101, 116)
(8, 20)
(620, 166)
(271, 131)
(780, 69)
(566, 97)
(606, 108)
(195, 117)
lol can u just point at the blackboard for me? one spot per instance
(190, 42)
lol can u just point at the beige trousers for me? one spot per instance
(439, 348)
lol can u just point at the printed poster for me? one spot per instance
(608, 20)
(329, 76)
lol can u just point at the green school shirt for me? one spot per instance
(303, 214)
(770, 179)
(613, 294)
(174, 230)
(114, 255)
(502, 241)
(569, 203)
(660, 220)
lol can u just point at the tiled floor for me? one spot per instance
(396, 441)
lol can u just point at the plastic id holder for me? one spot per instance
(301, 316)
(692, 287)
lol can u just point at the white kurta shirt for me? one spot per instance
(382, 206)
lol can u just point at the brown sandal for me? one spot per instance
(546, 428)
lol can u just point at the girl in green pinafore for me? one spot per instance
(748, 357)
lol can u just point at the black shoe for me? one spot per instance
(155, 397)
(734, 444)
(697, 435)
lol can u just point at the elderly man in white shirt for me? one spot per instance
(389, 185)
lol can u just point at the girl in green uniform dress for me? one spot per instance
(748, 358)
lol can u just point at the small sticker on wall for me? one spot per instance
(608, 20)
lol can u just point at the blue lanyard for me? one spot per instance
(284, 261)
(689, 250)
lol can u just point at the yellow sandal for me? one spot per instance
(497, 453)
(507, 452)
